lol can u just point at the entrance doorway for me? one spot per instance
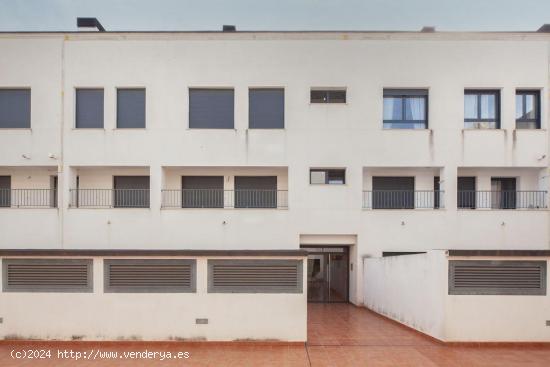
(327, 273)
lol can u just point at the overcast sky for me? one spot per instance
(497, 15)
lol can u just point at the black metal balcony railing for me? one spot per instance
(217, 198)
(403, 199)
(110, 198)
(28, 198)
(501, 199)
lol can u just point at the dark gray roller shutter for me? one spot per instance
(131, 191)
(89, 108)
(202, 191)
(130, 108)
(254, 276)
(255, 191)
(483, 277)
(47, 275)
(211, 108)
(266, 108)
(149, 275)
(5, 191)
(393, 192)
(466, 192)
(15, 108)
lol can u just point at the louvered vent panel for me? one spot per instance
(255, 276)
(497, 277)
(47, 275)
(149, 276)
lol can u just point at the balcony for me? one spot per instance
(28, 198)
(403, 199)
(217, 198)
(467, 199)
(110, 198)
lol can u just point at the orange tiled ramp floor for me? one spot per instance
(338, 335)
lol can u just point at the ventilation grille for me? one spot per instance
(149, 276)
(47, 275)
(497, 277)
(255, 276)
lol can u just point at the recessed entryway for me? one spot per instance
(327, 273)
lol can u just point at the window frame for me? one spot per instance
(327, 180)
(255, 289)
(478, 93)
(118, 89)
(40, 288)
(272, 89)
(29, 90)
(405, 94)
(76, 89)
(199, 88)
(537, 120)
(109, 288)
(326, 98)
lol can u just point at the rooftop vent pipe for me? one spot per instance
(89, 23)
(229, 28)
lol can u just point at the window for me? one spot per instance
(255, 191)
(202, 192)
(15, 108)
(130, 108)
(320, 176)
(266, 108)
(328, 96)
(527, 109)
(131, 191)
(405, 109)
(255, 276)
(47, 275)
(149, 276)
(466, 191)
(393, 193)
(211, 108)
(484, 277)
(89, 109)
(503, 193)
(5, 191)
(481, 109)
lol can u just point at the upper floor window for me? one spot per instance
(482, 109)
(15, 108)
(328, 95)
(527, 109)
(266, 108)
(130, 108)
(89, 108)
(327, 176)
(211, 108)
(405, 109)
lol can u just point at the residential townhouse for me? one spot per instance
(207, 185)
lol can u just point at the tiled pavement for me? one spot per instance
(338, 335)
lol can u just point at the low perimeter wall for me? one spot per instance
(414, 290)
(98, 315)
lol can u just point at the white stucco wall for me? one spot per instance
(413, 289)
(497, 318)
(154, 316)
(409, 289)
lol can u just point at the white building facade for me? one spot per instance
(289, 160)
